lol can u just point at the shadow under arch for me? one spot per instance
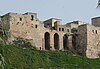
(65, 42)
(74, 41)
(56, 41)
(47, 41)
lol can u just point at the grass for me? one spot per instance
(18, 58)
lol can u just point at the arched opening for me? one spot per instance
(65, 42)
(47, 41)
(74, 41)
(56, 41)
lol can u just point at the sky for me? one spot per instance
(67, 10)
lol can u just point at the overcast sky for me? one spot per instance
(67, 10)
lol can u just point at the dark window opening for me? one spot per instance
(20, 19)
(35, 26)
(96, 31)
(59, 29)
(47, 41)
(74, 41)
(56, 41)
(62, 29)
(32, 17)
(65, 42)
(40, 48)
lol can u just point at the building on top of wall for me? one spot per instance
(51, 34)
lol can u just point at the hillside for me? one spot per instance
(12, 57)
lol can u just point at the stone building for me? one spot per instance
(51, 34)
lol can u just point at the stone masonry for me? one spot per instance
(82, 38)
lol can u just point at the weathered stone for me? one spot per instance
(75, 36)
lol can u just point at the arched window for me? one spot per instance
(59, 29)
(62, 29)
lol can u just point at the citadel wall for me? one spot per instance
(75, 36)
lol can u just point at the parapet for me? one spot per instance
(52, 22)
(96, 21)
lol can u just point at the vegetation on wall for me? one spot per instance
(13, 57)
(24, 43)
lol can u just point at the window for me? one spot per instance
(59, 29)
(96, 31)
(35, 26)
(32, 17)
(40, 48)
(20, 19)
(62, 29)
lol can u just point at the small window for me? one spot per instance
(59, 29)
(32, 17)
(40, 48)
(20, 19)
(62, 29)
(96, 32)
(35, 26)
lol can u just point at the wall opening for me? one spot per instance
(62, 29)
(65, 42)
(96, 31)
(47, 41)
(35, 26)
(59, 29)
(20, 19)
(32, 17)
(56, 41)
(74, 41)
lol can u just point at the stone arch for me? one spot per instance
(74, 41)
(65, 42)
(47, 41)
(56, 41)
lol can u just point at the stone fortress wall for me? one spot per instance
(82, 38)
